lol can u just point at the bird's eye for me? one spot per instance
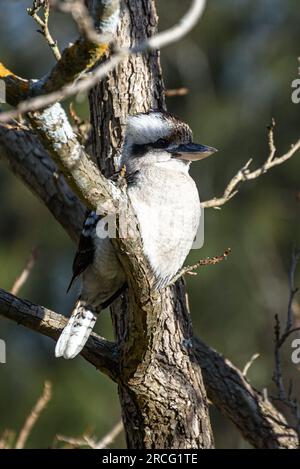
(161, 143)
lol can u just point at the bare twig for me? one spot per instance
(245, 174)
(22, 278)
(91, 79)
(83, 442)
(22, 150)
(98, 351)
(260, 414)
(249, 364)
(91, 442)
(44, 24)
(34, 415)
(189, 270)
(74, 116)
(271, 141)
(108, 439)
(176, 92)
(177, 32)
(248, 402)
(82, 18)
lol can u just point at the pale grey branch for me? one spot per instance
(91, 79)
(245, 174)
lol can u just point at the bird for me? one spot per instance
(156, 154)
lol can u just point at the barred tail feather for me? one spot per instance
(76, 333)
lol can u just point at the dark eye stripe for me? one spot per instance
(161, 143)
(140, 150)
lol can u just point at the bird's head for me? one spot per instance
(158, 137)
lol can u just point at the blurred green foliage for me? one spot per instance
(238, 65)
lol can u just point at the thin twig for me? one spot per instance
(83, 442)
(244, 174)
(23, 277)
(111, 436)
(44, 24)
(271, 141)
(253, 409)
(249, 364)
(78, 10)
(189, 270)
(177, 92)
(34, 415)
(90, 79)
(90, 442)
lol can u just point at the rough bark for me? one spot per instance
(50, 324)
(135, 86)
(161, 390)
(259, 421)
(21, 149)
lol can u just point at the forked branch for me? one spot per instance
(64, 87)
(259, 421)
(190, 269)
(43, 22)
(245, 174)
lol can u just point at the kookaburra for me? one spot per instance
(157, 152)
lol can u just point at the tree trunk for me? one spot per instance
(162, 395)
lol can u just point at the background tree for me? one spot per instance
(259, 422)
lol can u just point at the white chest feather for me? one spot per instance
(168, 211)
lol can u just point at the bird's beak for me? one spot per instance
(192, 152)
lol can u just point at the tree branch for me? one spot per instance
(190, 269)
(91, 442)
(23, 277)
(82, 175)
(30, 161)
(104, 354)
(34, 415)
(100, 352)
(62, 77)
(245, 174)
(257, 419)
(21, 149)
(52, 124)
(108, 14)
(224, 398)
(261, 424)
(44, 24)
